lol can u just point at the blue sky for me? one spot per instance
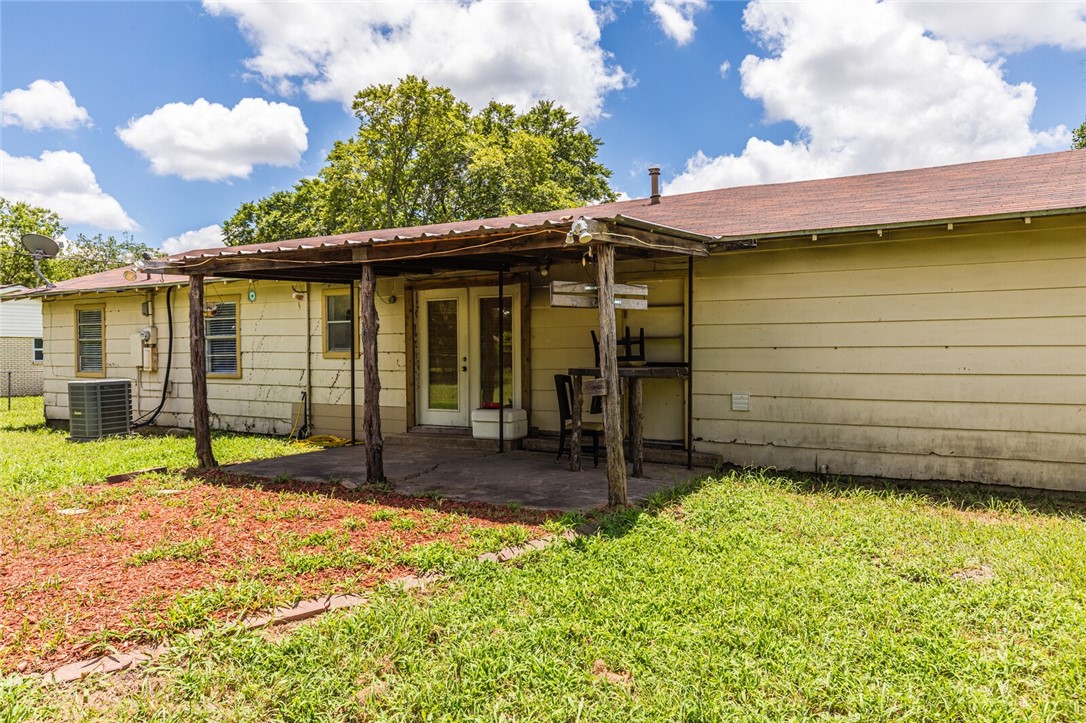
(160, 118)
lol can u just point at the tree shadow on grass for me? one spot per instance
(963, 496)
(617, 523)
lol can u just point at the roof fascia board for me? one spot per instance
(902, 225)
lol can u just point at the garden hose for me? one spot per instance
(324, 440)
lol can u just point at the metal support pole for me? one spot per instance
(9, 389)
(501, 360)
(354, 352)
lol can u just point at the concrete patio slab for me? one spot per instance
(530, 479)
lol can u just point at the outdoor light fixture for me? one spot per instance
(578, 233)
(137, 264)
(545, 268)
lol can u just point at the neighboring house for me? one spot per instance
(924, 324)
(21, 349)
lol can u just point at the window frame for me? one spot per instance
(37, 350)
(335, 354)
(100, 374)
(236, 301)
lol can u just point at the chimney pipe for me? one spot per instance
(654, 175)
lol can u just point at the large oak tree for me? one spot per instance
(421, 156)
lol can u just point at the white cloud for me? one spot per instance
(208, 141)
(725, 68)
(204, 238)
(63, 182)
(43, 104)
(515, 52)
(993, 27)
(676, 18)
(870, 90)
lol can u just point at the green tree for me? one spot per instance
(16, 219)
(82, 256)
(1078, 137)
(421, 156)
(284, 214)
(93, 254)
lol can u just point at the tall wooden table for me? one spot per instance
(633, 376)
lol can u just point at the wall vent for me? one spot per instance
(99, 408)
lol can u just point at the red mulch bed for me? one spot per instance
(69, 587)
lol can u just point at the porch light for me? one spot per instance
(578, 233)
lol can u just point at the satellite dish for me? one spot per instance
(40, 247)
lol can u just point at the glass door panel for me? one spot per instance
(443, 379)
(443, 355)
(495, 352)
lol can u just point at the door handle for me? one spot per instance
(463, 368)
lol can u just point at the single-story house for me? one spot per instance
(919, 324)
(21, 344)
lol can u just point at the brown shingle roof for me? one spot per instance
(1027, 185)
(112, 280)
(984, 189)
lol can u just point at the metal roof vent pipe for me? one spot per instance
(654, 176)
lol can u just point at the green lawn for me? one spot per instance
(751, 597)
(35, 458)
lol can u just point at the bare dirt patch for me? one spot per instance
(147, 559)
(979, 573)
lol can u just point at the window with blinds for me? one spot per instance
(90, 341)
(221, 340)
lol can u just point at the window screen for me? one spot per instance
(221, 338)
(90, 333)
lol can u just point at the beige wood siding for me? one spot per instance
(273, 343)
(561, 338)
(949, 354)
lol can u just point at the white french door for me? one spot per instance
(443, 357)
(464, 361)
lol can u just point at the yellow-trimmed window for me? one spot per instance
(336, 310)
(222, 342)
(90, 341)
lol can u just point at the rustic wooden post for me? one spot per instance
(637, 429)
(612, 401)
(371, 381)
(201, 415)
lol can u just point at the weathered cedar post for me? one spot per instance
(201, 415)
(612, 401)
(371, 381)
